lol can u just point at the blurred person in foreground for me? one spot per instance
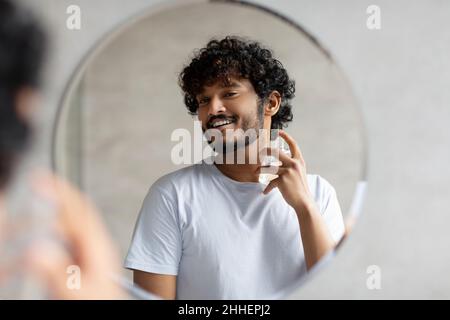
(78, 225)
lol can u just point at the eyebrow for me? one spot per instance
(231, 85)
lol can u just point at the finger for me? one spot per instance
(295, 150)
(278, 170)
(275, 152)
(273, 184)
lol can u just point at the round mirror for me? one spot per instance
(114, 139)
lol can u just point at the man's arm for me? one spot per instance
(316, 238)
(164, 286)
(293, 184)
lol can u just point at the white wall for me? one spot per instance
(401, 79)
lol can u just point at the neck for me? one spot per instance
(240, 172)
(247, 171)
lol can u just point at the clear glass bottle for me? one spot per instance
(282, 145)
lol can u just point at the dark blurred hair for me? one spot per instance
(241, 58)
(22, 49)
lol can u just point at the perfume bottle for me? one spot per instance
(272, 160)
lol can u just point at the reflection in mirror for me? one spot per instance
(207, 231)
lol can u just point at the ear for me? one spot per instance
(273, 103)
(26, 101)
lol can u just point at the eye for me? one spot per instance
(230, 94)
(203, 101)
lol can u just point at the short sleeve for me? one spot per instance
(330, 209)
(156, 244)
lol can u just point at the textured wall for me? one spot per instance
(401, 79)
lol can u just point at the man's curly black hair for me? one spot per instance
(238, 57)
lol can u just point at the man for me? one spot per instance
(212, 231)
(22, 50)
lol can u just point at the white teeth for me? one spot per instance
(220, 123)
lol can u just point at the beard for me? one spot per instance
(234, 139)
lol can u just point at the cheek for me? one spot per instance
(240, 107)
(247, 109)
(202, 115)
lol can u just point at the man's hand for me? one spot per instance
(89, 247)
(292, 180)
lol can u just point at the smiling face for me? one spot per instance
(231, 105)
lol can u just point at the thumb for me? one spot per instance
(273, 184)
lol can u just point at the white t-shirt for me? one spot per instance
(224, 239)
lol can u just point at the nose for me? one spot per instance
(216, 106)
